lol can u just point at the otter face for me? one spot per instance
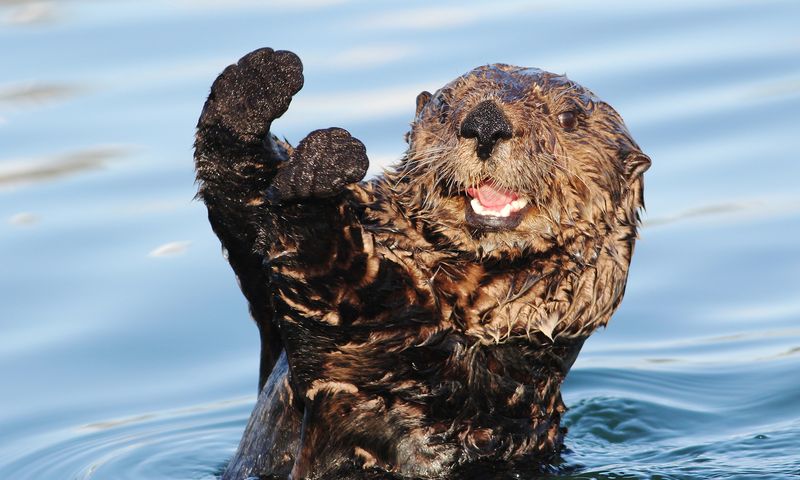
(507, 159)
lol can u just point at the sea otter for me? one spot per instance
(422, 321)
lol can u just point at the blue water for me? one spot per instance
(126, 349)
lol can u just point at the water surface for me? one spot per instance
(126, 349)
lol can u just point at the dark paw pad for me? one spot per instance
(323, 164)
(248, 96)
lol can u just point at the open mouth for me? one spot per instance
(494, 208)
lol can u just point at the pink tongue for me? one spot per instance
(492, 197)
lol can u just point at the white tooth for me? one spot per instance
(506, 211)
(518, 204)
(481, 210)
(477, 207)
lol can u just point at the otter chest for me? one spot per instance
(489, 301)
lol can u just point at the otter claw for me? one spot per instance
(322, 165)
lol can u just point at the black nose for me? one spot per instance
(487, 123)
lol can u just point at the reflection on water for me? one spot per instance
(16, 173)
(127, 351)
(36, 94)
(710, 210)
(25, 12)
(23, 219)
(170, 249)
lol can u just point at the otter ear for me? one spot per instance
(636, 163)
(422, 100)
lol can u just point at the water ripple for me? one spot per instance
(186, 443)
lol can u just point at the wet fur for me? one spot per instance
(407, 341)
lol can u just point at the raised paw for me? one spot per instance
(247, 96)
(321, 166)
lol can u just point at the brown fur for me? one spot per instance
(417, 343)
(586, 186)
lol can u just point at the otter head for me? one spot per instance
(507, 160)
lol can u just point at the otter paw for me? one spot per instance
(247, 96)
(321, 166)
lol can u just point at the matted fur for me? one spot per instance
(415, 343)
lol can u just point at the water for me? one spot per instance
(126, 350)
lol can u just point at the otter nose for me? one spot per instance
(486, 123)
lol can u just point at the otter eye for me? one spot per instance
(568, 119)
